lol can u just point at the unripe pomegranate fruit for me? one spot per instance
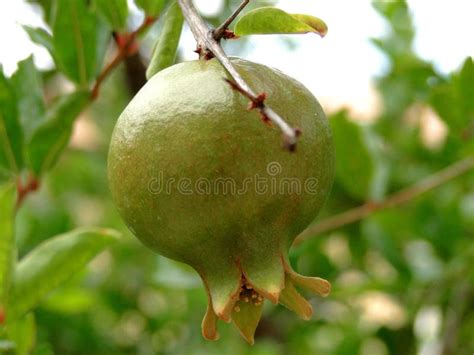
(199, 179)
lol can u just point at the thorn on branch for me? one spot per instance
(204, 54)
(223, 30)
(258, 102)
(208, 55)
(228, 34)
(265, 119)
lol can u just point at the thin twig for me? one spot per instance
(208, 47)
(125, 49)
(398, 198)
(105, 73)
(218, 33)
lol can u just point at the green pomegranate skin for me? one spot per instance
(186, 130)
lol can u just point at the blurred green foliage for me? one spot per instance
(403, 278)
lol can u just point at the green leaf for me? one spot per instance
(465, 82)
(52, 263)
(52, 136)
(78, 38)
(5, 175)
(444, 101)
(454, 100)
(164, 53)
(401, 32)
(318, 26)
(23, 334)
(114, 12)
(11, 134)
(152, 7)
(28, 88)
(270, 20)
(70, 300)
(40, 36)
(359, 166)
(7, 241)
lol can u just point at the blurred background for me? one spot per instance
(395, 81)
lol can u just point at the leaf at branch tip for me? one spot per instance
(52, 263)
(270, 20)
(7, 210)
(164, 53)
(52, 136)
(316, 23)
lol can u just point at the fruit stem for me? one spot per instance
(208, 48)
